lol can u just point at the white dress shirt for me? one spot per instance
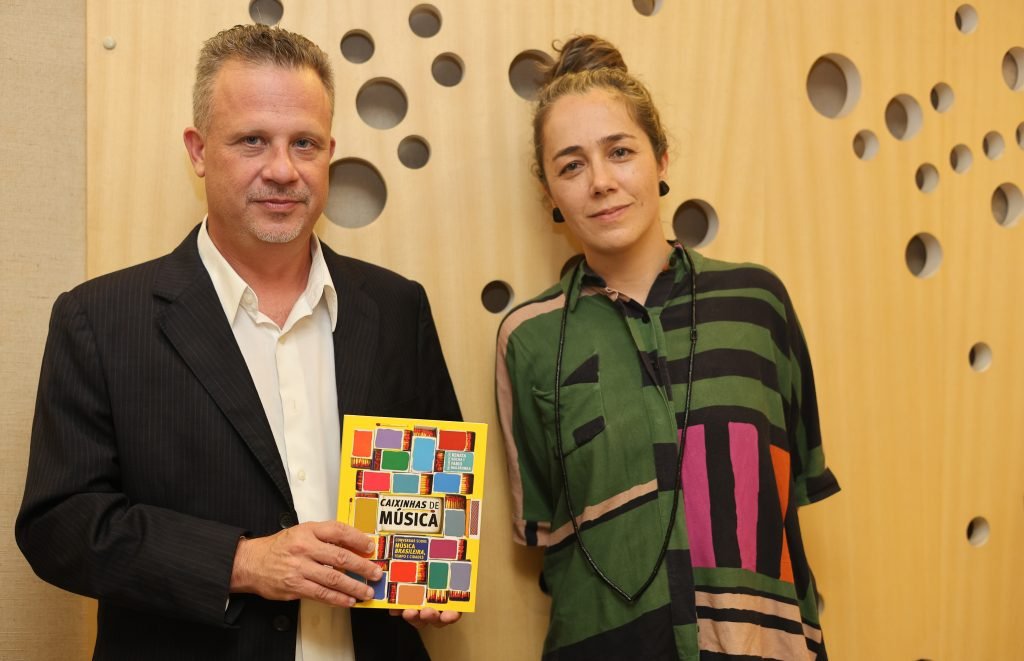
(293, 369)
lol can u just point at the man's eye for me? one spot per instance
(251, 140)
(304, 143)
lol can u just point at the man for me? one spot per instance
(185, 450)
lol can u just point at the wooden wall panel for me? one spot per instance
(920, 442)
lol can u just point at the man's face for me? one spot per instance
(265, 154)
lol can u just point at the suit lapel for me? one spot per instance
(355, 337)
(194, 322)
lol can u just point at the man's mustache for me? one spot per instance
(291, 195)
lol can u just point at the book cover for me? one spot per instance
(417, 487)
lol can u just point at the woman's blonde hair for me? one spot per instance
(586, 62)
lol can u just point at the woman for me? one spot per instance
(660, 544)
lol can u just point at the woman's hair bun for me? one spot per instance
(586, 62)
(584, 53)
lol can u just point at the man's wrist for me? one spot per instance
(238, 567)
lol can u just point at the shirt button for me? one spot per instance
(282, 623)
(301, 475)
(288, 519)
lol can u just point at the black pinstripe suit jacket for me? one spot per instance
(151, 453)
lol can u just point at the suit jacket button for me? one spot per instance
(288, 519)
(282, 623)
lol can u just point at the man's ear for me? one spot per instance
(196, 148)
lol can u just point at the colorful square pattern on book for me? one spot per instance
(416, 487)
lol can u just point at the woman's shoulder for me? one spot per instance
(537, 315)
(716, 275)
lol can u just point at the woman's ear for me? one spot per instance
(663, 166)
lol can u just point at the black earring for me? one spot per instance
(662, 188)
(556, 215)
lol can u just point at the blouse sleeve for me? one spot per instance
(813, 481)
(523, 431)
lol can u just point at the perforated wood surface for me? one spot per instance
(921, 442)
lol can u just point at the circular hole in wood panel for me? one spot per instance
(833, 85)
(978, 531)
(903, 117)
(266, 12)
(966, 19)
(980, 357)
(961, 158)
(695, 223)
(942, 97)
(425, 21)
(926, 178)
(525, 73)
(865, 145)
(923, 255)
(414, 152)
(1007, 204)
(496, 296)
(357, 193)
(357, 46)
(1013, 68)
(993, 145)
(381, 103)
(447, 69)
(647, 7)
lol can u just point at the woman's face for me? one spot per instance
(601, 171)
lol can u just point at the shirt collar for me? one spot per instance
(235, 294)
(319, 284)
(581, 279)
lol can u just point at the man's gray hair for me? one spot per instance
(255, 44)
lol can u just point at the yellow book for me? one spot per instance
(417, 487)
